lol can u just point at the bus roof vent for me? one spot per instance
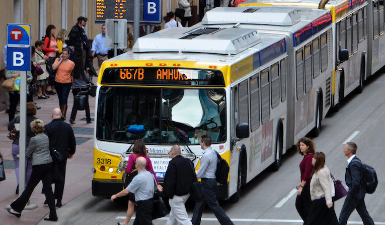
(250, 10)
(276, 16)
(200, 40)
(201, 31)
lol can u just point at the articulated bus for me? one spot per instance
(254, 87)
(358, 27)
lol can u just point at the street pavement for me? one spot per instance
(78, 177)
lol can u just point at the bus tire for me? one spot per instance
(362, 74)
(278, 148)
(318, 117)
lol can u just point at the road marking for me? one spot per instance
(285, 199)
(351, 137)
(120, 218)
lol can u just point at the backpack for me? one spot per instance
(369, 178)
(223, 170)
(48, 65)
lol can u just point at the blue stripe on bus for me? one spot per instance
(302, 35)
(273, 51)
(312, 29)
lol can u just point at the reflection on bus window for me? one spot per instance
(161, 116)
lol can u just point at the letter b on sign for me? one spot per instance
(18, 59)
(151, 11)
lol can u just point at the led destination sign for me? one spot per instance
(163, 76)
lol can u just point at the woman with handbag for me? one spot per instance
(305, 147)
(80, 87)
(13, 126)
(63, 79)
(42, 80)
(139, 150)
(321, 192)
(184, 4)
(38, 149)
(51, 50)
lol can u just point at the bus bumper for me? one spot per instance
(106, 188)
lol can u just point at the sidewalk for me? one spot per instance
(78, 175)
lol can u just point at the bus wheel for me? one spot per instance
(278, 152)
(340, 93)
(317, 128)
(362, 74)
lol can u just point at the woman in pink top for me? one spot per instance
(138, 151)
(50, 49)
(305, 147)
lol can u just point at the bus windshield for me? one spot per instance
(161, 115)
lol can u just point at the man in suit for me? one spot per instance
(61, 138)
(177, 185)
(356, 191)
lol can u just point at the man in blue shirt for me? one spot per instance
(99, 46)
(207, 169)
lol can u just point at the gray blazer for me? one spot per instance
(38, 149)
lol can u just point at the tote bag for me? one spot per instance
(339, 188)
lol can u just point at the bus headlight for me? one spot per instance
(93, 170)
(111, 170)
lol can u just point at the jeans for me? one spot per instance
(208, 188)
(28, 164)
(303, 203)
(75, 110)
(178, 213)
(143, 212)
(352, 203)
(63, 90)
(39, 173)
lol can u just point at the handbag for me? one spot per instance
(92, 89)
(2, 171)
(16, 85)
(8, 84)
(196, 192)
(38, 70)
(57, 156)
(339, 188)
(160, 208)
(129, 177)
(179, 13)
(80, 101)
(12, 135)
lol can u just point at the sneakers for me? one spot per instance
(50, 92)
(72, 121)
(41, 97)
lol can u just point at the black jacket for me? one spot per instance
(61, 137)
(76, 37)
(179, 177)
(353, 178)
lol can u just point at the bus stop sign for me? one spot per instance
(19, 47)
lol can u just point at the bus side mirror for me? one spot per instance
(343, 55)
(242, 130)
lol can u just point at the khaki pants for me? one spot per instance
(101, 59)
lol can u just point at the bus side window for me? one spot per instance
(308, 69)
(381, 9)
(324, 52)
(243, 110)
(254, 102)
(355, 35)
(343, 34)
(299, 63)
(283, 79)
(360, 28)
(265, 100)
(316, 58)
(234, 108)
(349, 35)
(376, 25)
(365, 18)
(275, 95)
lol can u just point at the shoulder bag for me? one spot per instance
(8, 84)
(196, 192)
(12, 135)
(339, 188)
(179, 12)
(130, 176)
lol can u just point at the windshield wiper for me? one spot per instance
(179, 136)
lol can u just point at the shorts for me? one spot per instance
(42, 82)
